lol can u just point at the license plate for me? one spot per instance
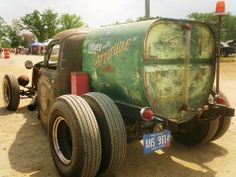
(155, 141)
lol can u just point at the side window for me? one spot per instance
(71, 53)
(54, 54)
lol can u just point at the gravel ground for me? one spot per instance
(24, 149)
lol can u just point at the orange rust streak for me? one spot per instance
(107, 69)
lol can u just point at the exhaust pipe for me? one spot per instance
(33, 104)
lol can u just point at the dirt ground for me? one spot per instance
(24, 149)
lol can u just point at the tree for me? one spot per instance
(14, 38)
(14, 33)
(68, 21)
(3, 33)
(42, 24)
(50, 23)
(204, 17)
(228, 25)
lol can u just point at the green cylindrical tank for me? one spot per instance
(150, 63)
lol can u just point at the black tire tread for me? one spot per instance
(224, 121)
(89, 127)
(217, 127)
(14, 92)
(116, 130)
(197, 135)
(214, 124)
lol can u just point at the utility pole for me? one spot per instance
(147, 9)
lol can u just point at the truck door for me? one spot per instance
(48, 80)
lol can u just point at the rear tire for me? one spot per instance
(112, 130)
(204, 131)
(74, 137)
(11, 92)
(224, 121)
(198, 134)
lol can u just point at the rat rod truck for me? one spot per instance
(98, 88)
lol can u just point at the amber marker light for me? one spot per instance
(220, 7)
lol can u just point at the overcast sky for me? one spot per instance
(103, 12)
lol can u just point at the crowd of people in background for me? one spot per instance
(25, 51)
(29, 51)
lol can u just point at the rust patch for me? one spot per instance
(201, 73)
(107, 69)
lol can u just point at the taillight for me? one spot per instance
(147, 114)
(219, 100)
(79, 83)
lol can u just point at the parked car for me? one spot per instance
(225, 49)
(99, 88)
(232, 43)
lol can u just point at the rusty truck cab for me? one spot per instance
(63, 56)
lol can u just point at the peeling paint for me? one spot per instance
(149, 68)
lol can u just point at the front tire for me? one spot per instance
(74, 137)
(11, 92)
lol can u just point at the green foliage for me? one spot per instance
(42, 24)
(47, 23)
(50, 22)
(14, 38)
(204, 17)
(6, 43)
(229, 27)
(68, 21)
(3, 33)
(14, 33)
(228, 31)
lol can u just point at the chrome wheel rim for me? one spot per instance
(62, 140)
